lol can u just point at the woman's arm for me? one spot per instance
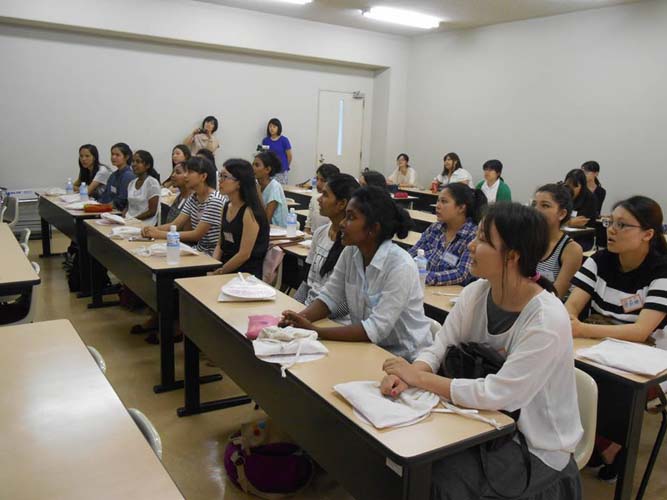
(248, 239)
(160, 232)
(417, 374)
(92, 188)
(639, 331)
(270, 209)
(318, 310)
(570, 264)
(577, 301)
(288, 153)
(152, 209)
(217, 253)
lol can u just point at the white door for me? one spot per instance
(340, 130)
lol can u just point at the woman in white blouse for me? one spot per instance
(453, 171)
(143, 193)
(404, 175)
(513, 310)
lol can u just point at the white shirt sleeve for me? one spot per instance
(412, 176)
(392, 177)
(152, 187)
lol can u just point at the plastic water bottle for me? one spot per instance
(313, 184)
(421, 262)
(173, 246)
(83, 192)
(291, 223)
(69, 187)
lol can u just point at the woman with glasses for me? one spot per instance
(244, 236)
(626, 285)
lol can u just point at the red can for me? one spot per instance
(434, 186)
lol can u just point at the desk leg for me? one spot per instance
(417, 482)
(46, 239)
(84, 260)
(96, 274)
(635, 401)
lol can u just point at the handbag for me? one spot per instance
(472, 361)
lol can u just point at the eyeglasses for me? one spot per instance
(617, 225)
(227, 177)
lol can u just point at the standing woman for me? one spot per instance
(180, 154)
(202, 137)
(493, 186)
(374, 278)
(244, 236)
(143, 193)
(592, 170)
(327, 242)
(404, 175)
(116, 188)
(266, 166)
(584, 205)
(281, 146)
(510, 308)
(445, 243)
(563, 256)
(453, 171)
(92, 172)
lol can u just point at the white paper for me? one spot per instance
(628, 356)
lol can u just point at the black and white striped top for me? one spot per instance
(210, 210)
(610, 288)
(550, 267)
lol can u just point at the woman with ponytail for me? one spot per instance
(376, 280)
(143, 192)
(327, 246)
(513, 310)
(445, 243)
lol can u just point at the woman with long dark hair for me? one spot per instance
(91, 171)
(453, 171)
(143, 192)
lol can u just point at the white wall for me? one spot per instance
(145, 72)
(544, 95)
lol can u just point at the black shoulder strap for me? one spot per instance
(526, 460)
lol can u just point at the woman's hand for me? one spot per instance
(402, 369)
(578, 221)
(392, 386)
(576, 326)
(217, 271)
(290, 318)
(149, 232)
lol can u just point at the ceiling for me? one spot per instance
(457, 14)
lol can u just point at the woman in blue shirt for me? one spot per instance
(376, 280)
(266, 166)
(281, 146)
(116, 189)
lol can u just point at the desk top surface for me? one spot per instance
(421, 191)
(69, 434)
(423, 216)
(15, 268)
(78, 214)
(440, 297)
(158, 263)
(346, 361)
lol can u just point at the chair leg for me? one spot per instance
(656, 448)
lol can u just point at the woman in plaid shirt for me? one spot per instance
(445, 243)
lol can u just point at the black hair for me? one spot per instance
(374, 178)
(407, 158)
(592, 166)
(147, 159)
(205, 153)
(524, 230)
(86, 175)
(649, 215)
(184, 149)
(243, 173)
(276, 122)
(270, 160)
(343, 187)
(326, 170)
(202, 166)
(378, 207)
(125, 150)
(210, 119)
(457, 160)
(576, 176)
(495, 165)
(561, 195)
(474, 199)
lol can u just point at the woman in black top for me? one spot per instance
(591, 171)
(585, 205)
(244, 238)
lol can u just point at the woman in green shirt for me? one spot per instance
(493, 185)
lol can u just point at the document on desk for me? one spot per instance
(627, 356)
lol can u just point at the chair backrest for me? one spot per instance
(32, 296)
(435, 328)
(587, 395)
(12, 212)
(98, 358)
(24, 237)
(148, 430)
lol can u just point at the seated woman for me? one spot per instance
(244, 236)
(315, 219)
(92, 172)
(493, 186)
(445, 243)
(266, 166)
(180, 154)
(326, 245)
(199, 221)
(143, 193)
(626, 285)
(563, 256)
(453, 171)
(374, 279)
(404, 175)
(510, 308)
(372, 178)
(178, 179)
(584, 211)
(115, 192)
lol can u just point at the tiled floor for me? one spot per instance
(193, 445)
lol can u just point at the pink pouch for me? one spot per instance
(259, 321)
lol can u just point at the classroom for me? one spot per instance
(333, 249)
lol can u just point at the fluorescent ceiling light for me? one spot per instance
(300, 2)
(400, 16)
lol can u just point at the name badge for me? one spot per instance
(632, 303)
(228, 237)
(548, 275)
(574, 213)
(450, 259)
(180, 205)
(113, 189)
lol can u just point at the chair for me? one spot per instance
(12, 211)
(435, 328)
(148, 430)
(25, 302)
(98, 359)
(587, 395)
(24, 238)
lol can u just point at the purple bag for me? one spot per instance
(266, 469)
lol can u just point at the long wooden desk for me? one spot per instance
(65, 432)
(16, 272)
(69, 222)
(152, 279)
(425, 197)
(422, 220)
(388, 464)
